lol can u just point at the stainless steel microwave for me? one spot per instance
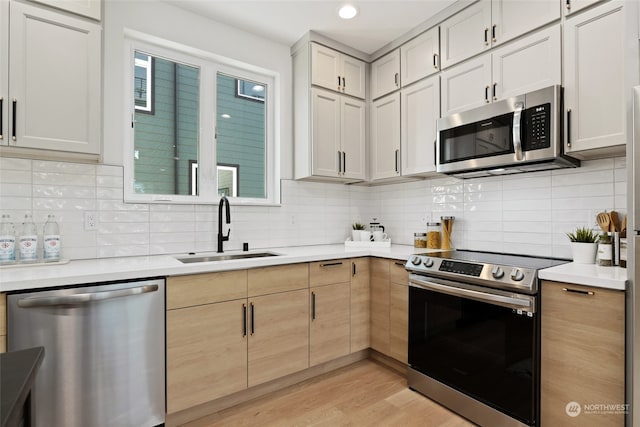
(518, 134)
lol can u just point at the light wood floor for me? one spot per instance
(363, 394)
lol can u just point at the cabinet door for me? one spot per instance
(528, 64)
(278, 335)
(4, 73)
(419, 57)
(206, 353)
(90, 8)
(360, 301)
(466, 33)
(582, 353)
(511, 19)
(595, 90)
(325, 132)
(55, 80)
(385, 137)
(380, 305)
(466, 86)
(353, 137)
(420, 108)
(325, 67)
(353, 77)
(573, 6)
(398, 321)
(329, 328)
(385, 74)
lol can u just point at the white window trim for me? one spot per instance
(210, 65)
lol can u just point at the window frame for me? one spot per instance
(209, 65)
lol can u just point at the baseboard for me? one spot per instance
(389, 362)
(200, 411)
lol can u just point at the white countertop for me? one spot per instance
(587, 274)
(128, 268)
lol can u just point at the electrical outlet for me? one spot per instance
(90, 221)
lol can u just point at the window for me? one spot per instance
(200, 128)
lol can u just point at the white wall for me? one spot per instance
(159, 19)
(526, 214)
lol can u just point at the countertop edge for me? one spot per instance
(614, 278)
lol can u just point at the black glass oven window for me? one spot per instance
(481, 139)
(485, 351)
(537, 128)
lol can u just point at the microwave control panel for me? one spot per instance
(537, 127)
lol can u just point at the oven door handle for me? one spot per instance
(523, 304)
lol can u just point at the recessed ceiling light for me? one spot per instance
(347, 11)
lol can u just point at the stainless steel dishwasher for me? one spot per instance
(104, 362)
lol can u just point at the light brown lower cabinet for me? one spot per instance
(389, 308)
(329, 328)
(582, 356)
(360, 300)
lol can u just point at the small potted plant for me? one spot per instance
(355, 232)
(583, 245)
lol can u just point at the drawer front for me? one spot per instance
(280, 278)
(198, 289)
(329, 272)
(399, 274)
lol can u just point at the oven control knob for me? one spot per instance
(497, 272)
(428, 263)
(516, 275)
(416, 260)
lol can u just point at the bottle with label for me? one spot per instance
(28, 240)
(51, 240)
(7, 240)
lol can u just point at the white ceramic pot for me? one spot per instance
(584, 253)
(355, 235)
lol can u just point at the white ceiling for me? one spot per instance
(377, 23)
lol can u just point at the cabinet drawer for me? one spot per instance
(398, 273)
(198, 289)
(329, 272)
(281, 278)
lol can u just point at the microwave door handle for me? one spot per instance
(517, 139)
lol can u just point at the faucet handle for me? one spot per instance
(227, 236)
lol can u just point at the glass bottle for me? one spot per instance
(51, 239)
(28, 240)
(433, 235)
(7, 240)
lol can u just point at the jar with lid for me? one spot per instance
(419, 240)
(433, 235)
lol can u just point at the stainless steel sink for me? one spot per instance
(225, 257)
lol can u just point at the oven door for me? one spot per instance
(484, 344)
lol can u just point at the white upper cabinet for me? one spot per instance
(489, 23)
(420, 57)
(465, 34)
(573, 6)
(336, 71)
(89, 8)
(522, 66)
(53, 100)
(385, 137)
(595, 86)
(420, 109)
(385, 74)
(511, 19)
(338, 135)
(527, 64)
(466, 86)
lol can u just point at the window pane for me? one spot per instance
(166, 141)
(241, 140)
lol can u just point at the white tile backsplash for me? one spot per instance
(528, 213)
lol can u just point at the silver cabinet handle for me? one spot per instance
(435, 61)
(486, 37)
(486, 94)
(517, 140)
(86, 298)
(493, 33)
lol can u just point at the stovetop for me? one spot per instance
(497, 270)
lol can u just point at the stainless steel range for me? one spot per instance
(474, 334)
